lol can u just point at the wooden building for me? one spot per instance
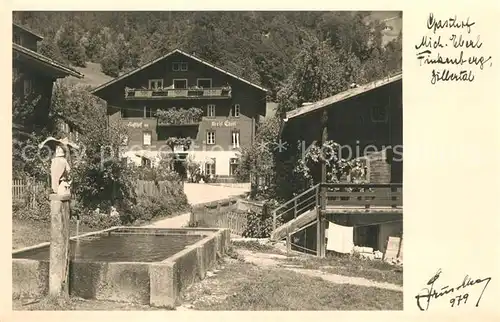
(367, 122)
(33, 73)
(217, 110)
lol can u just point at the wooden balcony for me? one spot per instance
(172, 94)
(363, 198)
(192, 122)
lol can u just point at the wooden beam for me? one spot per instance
(321, 227)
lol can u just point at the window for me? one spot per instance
(18, 39)
(211, 110)
(180, 83)
(145, 162)
(155, 83)
(125, 140)
(146, 138)
(235, 111)
(64, 127)
(211, 137)
(235, 139)
(379, 113)
(27, 86)
(148, 112)
(210, 167)
(179, 67)
(233, 165)
(204, 82)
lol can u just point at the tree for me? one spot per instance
(70, 46)
(50, 49)
(257, 162)
(318, 73)
(110, 64)
(100, 178)
(32, 123)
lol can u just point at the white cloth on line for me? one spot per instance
(340, 238)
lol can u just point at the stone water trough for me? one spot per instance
(125, 264)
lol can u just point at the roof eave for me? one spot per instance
(114, 80)
(342, 96)
(48, 61)
(28, 31)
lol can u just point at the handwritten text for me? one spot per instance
(451, 50)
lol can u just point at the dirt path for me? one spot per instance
(274, 260)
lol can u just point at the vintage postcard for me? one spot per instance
(178, 159)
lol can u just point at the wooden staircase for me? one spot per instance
(308, 207)
(295, 213)
(295, 224)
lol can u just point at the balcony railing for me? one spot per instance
(179, 117)
(186, 122)
(364, 195)
(178, 93)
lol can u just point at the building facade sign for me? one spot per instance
(226, 123)
(137, 125)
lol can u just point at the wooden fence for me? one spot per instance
(221, 214)
(150, 188)
(23, 189)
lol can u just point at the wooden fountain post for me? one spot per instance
(59, 246)
(60, 199)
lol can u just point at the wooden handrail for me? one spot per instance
(295, 206)
(297, 196)
(294, 201)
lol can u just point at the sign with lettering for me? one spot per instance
(137, 125)
(225, 123)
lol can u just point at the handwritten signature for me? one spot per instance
(430, 292)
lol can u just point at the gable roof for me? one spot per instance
(46, 60)
(342, 96)
(114, 80)
(26, 30)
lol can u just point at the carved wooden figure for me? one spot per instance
(60, 212)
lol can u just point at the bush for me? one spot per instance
(39, 211)
(260, 225)
(171, 201)
(99, 221)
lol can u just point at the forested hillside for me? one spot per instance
(278, 50)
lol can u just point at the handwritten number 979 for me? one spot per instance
(459, 299)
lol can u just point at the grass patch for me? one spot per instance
(242, 286)
(255, 246)
(76, 304)
(375, 270)
(29, 232)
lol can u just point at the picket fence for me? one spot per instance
(221, 214)
(23, 189)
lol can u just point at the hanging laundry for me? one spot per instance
(340, 238)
